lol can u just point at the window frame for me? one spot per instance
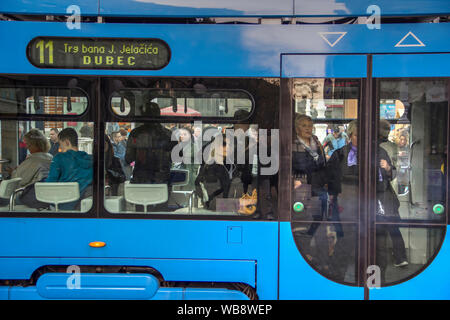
(110, 116)
(90, 87)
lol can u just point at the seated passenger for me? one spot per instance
(34, 168)
(213, 179)
(187, 160)
(219, 179)
(71, 165)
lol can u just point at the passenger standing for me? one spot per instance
(308, 167)
(403, 164)
(54, 143)
(333, 141)
(150, 146)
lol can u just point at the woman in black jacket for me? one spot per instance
(308, 168)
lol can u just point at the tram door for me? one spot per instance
(363, 177)
(408, 231)
(321, 256)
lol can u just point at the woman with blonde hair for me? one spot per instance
(308, 168)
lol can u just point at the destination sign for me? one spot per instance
(98, 53)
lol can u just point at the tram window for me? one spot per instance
(325, 175)
(181, 169)
(39, 100)
(169, 155)
(413, 131)
(199, 102)
(31, 151)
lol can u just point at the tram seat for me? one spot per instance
(7, 188)
(57, 193)
(180, 178)
(114, 203)
(146, 194)
(86, 204)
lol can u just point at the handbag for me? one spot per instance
(115, 172)
(247, 203)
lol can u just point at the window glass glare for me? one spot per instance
(235, 104)
(326, 98)
(413, 131)
(181, 168)
(324, 177)
(48, 101)
(51, 163)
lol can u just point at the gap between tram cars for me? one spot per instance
(162, 160)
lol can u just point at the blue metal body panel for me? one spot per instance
(32, 293)
(298, 280)
(48, 7)
(225, 50)
(413, 65)
(431, 284)
(360, 7)
(4, 293)
(180, 8)
(231, 8)
(179, 250)
(220, 251)
(319, 66)
(97, 286)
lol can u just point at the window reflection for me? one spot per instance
(197, 102)
(404, 251)
(35, 100)
(186, 164)
(413, 135)
(52, 163)
(325, 175)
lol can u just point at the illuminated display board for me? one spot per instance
(98, 53)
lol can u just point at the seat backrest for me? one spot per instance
(146, 194)
(179, 177)
(7, 187)
(57, 192)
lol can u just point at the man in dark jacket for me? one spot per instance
(149, 147)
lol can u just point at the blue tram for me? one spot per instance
(235, 151)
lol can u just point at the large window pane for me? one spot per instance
(31, 153)
(413, 131)
(205, 149)
(325, 175)
(197, 102)
(41, 100)
(181, 168)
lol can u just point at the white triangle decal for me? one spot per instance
(324, 34)
(410, 34)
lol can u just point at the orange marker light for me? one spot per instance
(97, 244)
